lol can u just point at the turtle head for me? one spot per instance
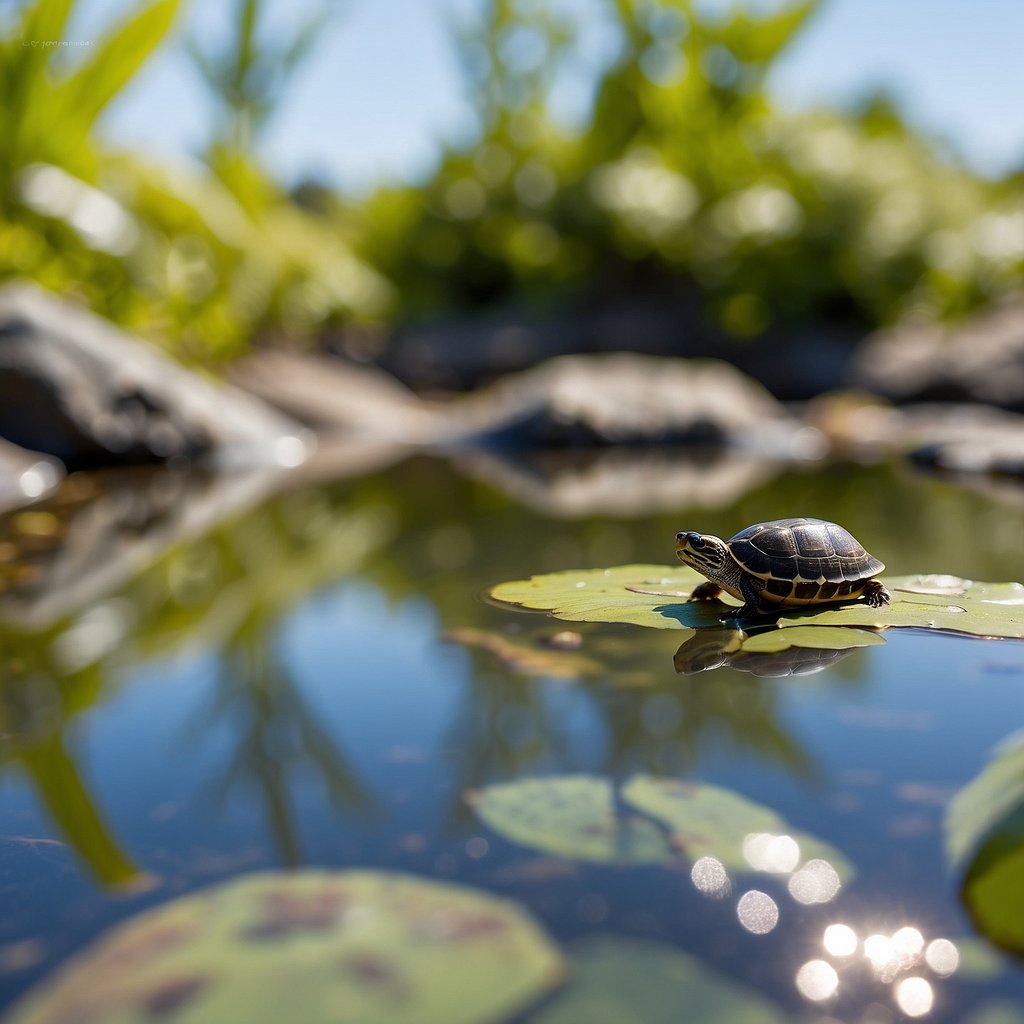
(708, 555)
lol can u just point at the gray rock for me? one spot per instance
(25, 476)
(627, 399)
(981, 360)
(77, 388)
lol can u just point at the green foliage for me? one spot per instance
(347, 945)
(684, 174)
(201, 263)
(656, 596)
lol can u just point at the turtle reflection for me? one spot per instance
(722, 647)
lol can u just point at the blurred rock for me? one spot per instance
(981, 360)
(626, 399)
(334, 394)
(25, 476)
(950, 437)
(77, 388)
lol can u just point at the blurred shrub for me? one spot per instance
(200, 259)
(686, 174)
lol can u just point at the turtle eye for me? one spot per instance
(695, 540)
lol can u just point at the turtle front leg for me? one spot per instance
(708, 591)
(751, 588)
(875, 594)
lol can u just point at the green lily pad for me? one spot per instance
(571, 816)
(985, 841)
(629, 981)
(712, 821)
(336, 947)
(656, 596)
(576, 816)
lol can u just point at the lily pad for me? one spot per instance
(712, 821)
(629, 981)
(336, 946)
(571, 816)
(985, 841)
(656, 596)
(577, 816)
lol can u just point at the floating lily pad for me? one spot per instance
(628, 981)
(334, 947)
(985, 840)
(656, 596)
(572, 816)
(712, 821)
(577, 816)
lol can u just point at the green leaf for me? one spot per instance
(82, 95)
(656, 596)
(341, 946)
(570, 816)
(629, 981)
(712, 821)
(985, 841)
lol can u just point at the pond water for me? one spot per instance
(320, 680)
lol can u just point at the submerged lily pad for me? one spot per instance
(712, 821)
(629, 981)
(577, 816)
(335, 946)
(985, 841)
(656, 596)
(524, 659)
(572, 816)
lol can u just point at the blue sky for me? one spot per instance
(382, 86)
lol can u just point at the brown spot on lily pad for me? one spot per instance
(286, 913)
(170, 996)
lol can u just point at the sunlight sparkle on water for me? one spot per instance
(914, 996)
(816, 882)
(709, 876)
(758, 912)
(840, 940)
(942, 957)
(817, 980)
(766, 852)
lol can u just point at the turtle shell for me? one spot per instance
(803, 551)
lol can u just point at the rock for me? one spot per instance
(25, 476)
(77, 388)
(626, 399)
(334, 394)
(981, 360)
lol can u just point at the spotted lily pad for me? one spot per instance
(334, 947)
(654, 821)
(628, 981)
(572, 816)
(656, 596)
(985, 841)
(712, 821)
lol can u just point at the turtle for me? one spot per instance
(788, 562)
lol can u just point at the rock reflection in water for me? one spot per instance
(722, 647)
(621, 482)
